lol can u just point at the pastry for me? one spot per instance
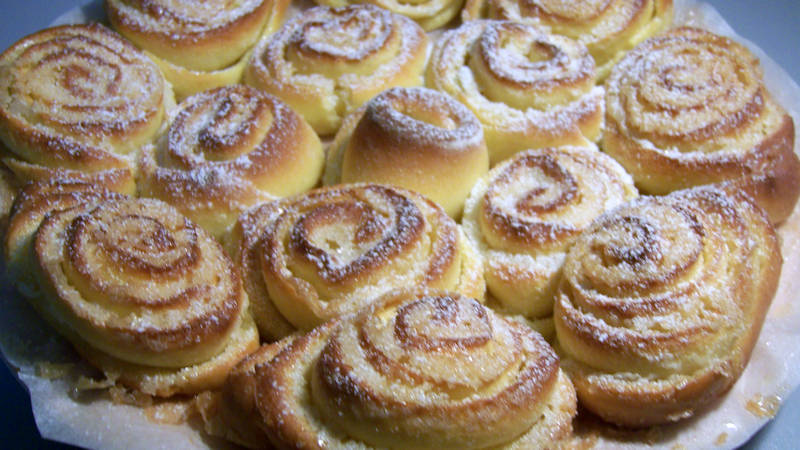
(78, 101)
(140, 291)
(418, 369)
(198, 46)
(661, 302)
(529, 89)
(415, 138)
(689, 108)
(429, 14)
(329, 252)
(526, 213)
(327, 62)
(608, 28)
(228, 149)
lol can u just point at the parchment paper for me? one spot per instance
(94, 421)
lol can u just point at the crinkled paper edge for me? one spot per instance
(99, 423)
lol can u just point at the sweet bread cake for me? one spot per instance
(661, 302)
(141, 292)
(327, 62)
(78, 101)
(418, 369)
(414, 138)
(608, 28)
(529, 89)
(226, 150)
(689, 108)
(197, 45)
(526, 213)
(319, 255)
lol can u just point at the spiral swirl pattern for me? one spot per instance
(331, 251)
(527, 212)
(418, 369)
(77, 99)
(689, 108)
(228, 149)
(609, 28)
(413, 138)
(140, 282)
(200, 36)
(198, 46)
(30, 208)
(528, 89)
(661, 302)
(327, 62)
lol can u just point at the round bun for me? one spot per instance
(415, 138)
(333, 250)
(327, 62)
(661, 302)
(608, 28)
(529, 89)
(141, 292)
(197, 47)
(418, 369)
(226, 150)
(78, 101)
(526, 213)
(689, 108)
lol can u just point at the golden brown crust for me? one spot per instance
(232, 412)
(418, 369)
(529, 89)
(526, 213)
(140, 291)
(77, 99)
(139, 281)
(662, 301)
(333, 250)
(9, 188)
(204, 38)
(375, 49)
(414, 138)
(226, 150)
(608, 28)
(690, 108)
(34, 202)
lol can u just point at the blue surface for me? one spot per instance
(771, 25)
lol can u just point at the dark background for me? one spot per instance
(772, 25)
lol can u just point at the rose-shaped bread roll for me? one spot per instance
(419, 370)
(330, 251)
(529, 89)
(415, 138)
(78, 101)
(689, 108)
(429, 14)
(609, 28)
(526, 213)
(198, 45)
(226, 150)
(662, 301)
(326, 62)
(140, 291)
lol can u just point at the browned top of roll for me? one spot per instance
(422, 369)
(79, 97)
